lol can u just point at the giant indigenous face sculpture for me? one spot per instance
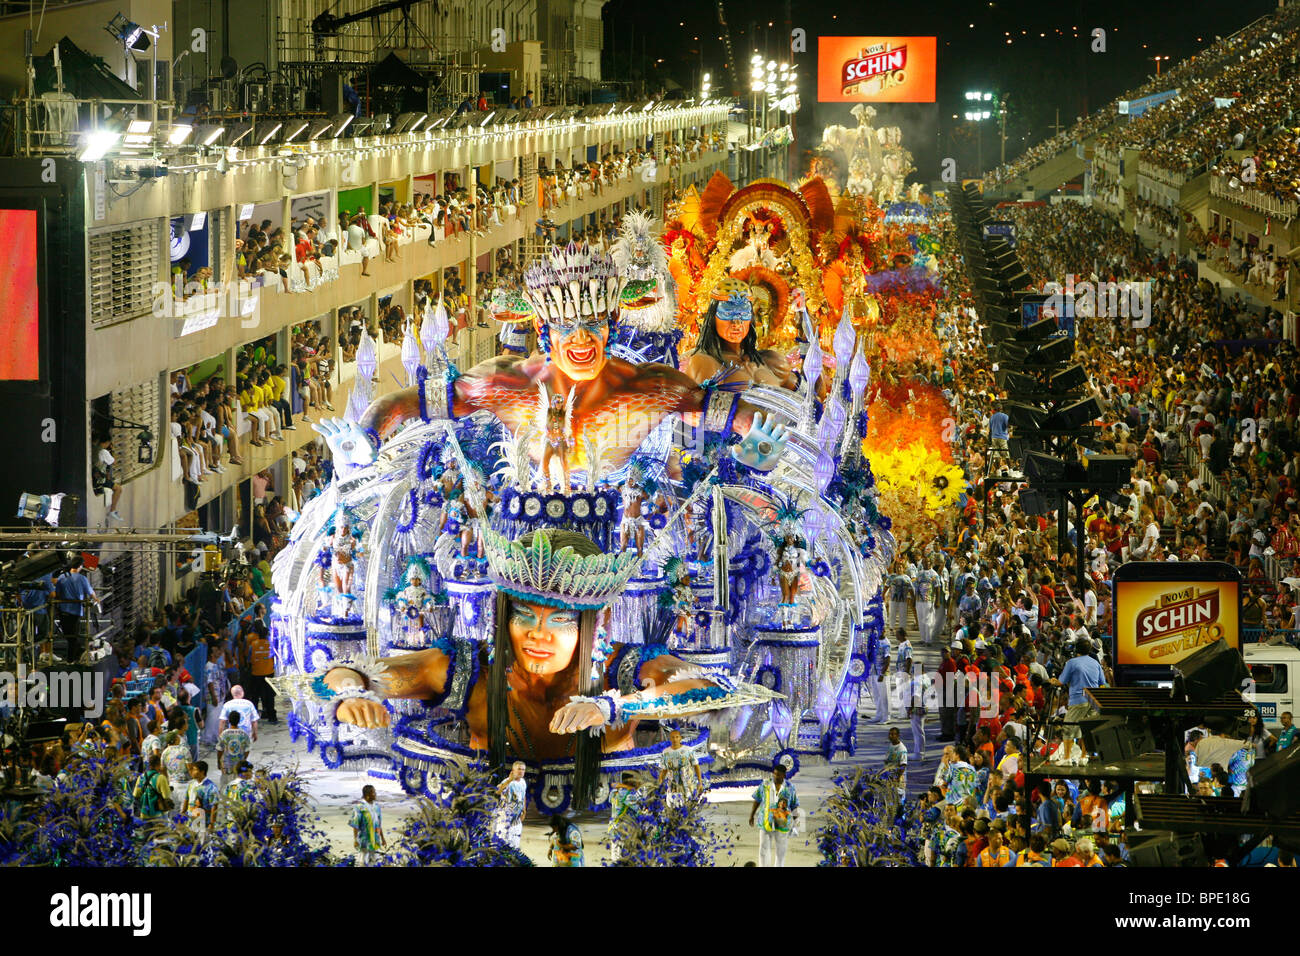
(544, 638)
(578, 345)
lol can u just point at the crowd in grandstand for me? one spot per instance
(1254, 68)
(1205, 401)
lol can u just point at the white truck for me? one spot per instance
(1275, 669)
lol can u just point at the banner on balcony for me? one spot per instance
(1143, 103)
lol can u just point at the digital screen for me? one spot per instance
(20, 318)
(1035, 307)
(876, 69)
(1004, 228)
(1158, 623)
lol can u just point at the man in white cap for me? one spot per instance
(248, 716)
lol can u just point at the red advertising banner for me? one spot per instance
(20, 325)
(876, 69)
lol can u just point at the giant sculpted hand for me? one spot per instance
(349, 443)
(762, 444)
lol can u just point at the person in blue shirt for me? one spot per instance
(1047, 820)
(1081, 673)
(998, 434)
(351, 98)
(987, 584)
(970, 606)
(37, 600)
(1287, 735)
(73, 589)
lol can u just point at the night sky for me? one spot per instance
(1037, 73)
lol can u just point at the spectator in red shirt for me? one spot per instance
(1062, 855)
(1046, 601)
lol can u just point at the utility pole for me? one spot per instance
(791, 154)
(1056, 128)
(1002, 111)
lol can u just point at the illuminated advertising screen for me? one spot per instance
(876, 69)
(1165, 611)
(20, 315)
(1001, 228)
(1035, 307)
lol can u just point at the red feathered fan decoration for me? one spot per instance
(715, 194)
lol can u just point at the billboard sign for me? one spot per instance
(1001, 227)
(1037, 306)
(876, 69)
(1167, 610)
(20, 301)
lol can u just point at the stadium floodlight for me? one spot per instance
(266, 131)
(237, 133)
(294, 129)
(129, 32)
(341, 122)
(96, 144)
(209, 134)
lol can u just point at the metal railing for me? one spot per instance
(1270, 635)
(37, 138)
(1253, 198)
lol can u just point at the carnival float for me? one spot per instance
(672, 511)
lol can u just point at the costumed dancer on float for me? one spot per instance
(698, 528)
(575, 296)
(455, 522)
(412, 603)
(529, 695)
(344, 548)
(452, 481)
(790, 565)
(648, 310)
(636, 502)
(479, 500)
(509, 307)
(555, 422)
(679, 599)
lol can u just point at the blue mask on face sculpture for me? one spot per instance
(736, 309)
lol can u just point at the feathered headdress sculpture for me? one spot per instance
(647, 300)
(510, 305)
(571, 283)
(637, 252)
(560, 577)
(516, 465)
(676, 570)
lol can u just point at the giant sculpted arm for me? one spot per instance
(420, 675)
(718, 410)
(500, 385)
